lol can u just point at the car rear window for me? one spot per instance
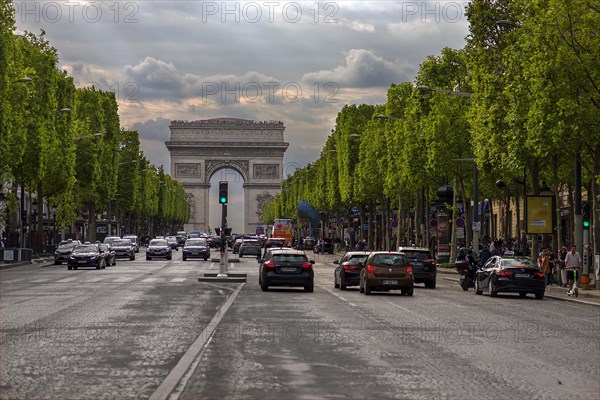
(417, 255)
(85, 249)
(122, 242)
(159, 242)
(517, 263)
(292, 258)
(196, 242)
(389, 259)
(358, 258)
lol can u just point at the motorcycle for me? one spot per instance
(466, 266)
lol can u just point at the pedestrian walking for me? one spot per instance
(573, 266)
(544, 263)
(561, 266)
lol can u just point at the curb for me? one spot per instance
(550, 296)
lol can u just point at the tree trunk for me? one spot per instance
(92, 223)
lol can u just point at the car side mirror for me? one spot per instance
(336, 261)
(311, 261)
(260, 261)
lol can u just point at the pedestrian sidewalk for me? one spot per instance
(555, 292)
(43, 259)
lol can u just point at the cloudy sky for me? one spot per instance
(296, 62)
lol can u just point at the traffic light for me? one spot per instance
(586, 215)
(223, 189)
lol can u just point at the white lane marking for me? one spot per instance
(178, 280)
(339, 296)
(41, 280)
(184, 369)
(149, 280)
(123, 279)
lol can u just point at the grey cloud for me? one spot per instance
(363, 68)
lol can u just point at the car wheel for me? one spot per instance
(367, 289)
(98, 266)
(184, 258)
(205, 258)
(148, 258)
(241, 255)
(132, 258)
(523, 294)
(336, 285)
(264, 286)
(57, 262)
(341, 285)
(75, 267)
(69, 267)
(430, 285)
(408, 291)
(104, 264)
(493, 292)
(169, 257)
(310, 288)
(361, 287)
(539, 295)
(477, 290)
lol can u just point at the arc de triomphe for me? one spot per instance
(254, 149)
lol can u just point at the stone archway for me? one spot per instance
(199, 149)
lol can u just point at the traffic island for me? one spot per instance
(232, 277)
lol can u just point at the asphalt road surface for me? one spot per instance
(125, 332)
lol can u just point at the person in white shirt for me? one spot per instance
(572, 265)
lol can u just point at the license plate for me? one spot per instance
(417, 264)
(82, 261)
(522, 275)
(287, 269)
(389, 282)
(194, 253)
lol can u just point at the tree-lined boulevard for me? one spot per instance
(119, 332)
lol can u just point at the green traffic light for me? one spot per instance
(586, 224)
(223, 200)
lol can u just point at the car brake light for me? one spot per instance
(431, 261)
(347, 267)
(409, 269)
(465, 270)
(539, 275)
(307, 265)
(371, 269)
(270, 265)
(505, 273)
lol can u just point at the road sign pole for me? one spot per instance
(223, 258)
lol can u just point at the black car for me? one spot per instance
(109, 254)
(250, 247)
(510, 275)
(158, 248)
(63, 251)
(423, 264)
(181, 238)
(347, 272)
(196, 248)
(87, 255)
(284, 267)
(324, 246)
(123, 248)
(214, 241)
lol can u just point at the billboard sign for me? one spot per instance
(540, 217)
